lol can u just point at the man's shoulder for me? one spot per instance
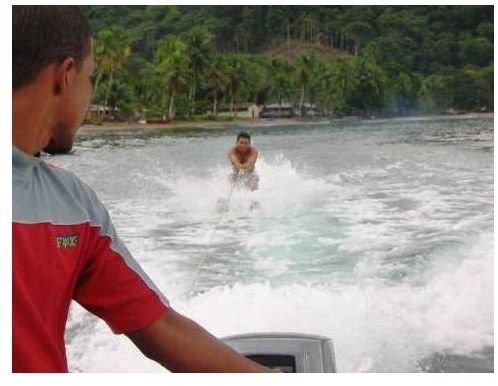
(54, 195)
(69, 181)
(66, 176)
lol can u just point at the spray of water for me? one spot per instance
(320, 255)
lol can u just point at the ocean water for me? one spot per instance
(377, 234)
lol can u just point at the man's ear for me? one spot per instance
(64, 74)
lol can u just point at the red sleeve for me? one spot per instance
(114, 287)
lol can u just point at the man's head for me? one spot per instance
(243, 142)
(52, 58)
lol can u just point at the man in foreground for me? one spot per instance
(243, 157)
(65, 246)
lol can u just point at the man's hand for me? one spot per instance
(181, 345)
(239, 166)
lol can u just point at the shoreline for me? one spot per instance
(123, 127)
(133, 127)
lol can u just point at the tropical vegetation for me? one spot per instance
(188, 61)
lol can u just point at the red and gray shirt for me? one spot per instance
(65, 247)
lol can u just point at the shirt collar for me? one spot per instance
(23, 160)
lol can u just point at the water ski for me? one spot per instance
(223, 205)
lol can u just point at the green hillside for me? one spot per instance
(181, 61)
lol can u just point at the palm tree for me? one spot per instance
(172, 64)
(362, 83)
(329, 89)
(216, 74)
(199, 49)
(112, 49)
(345, 76)
(371, 84)
(280, 83)
(305, 68)
(235, 75)
(148, 88)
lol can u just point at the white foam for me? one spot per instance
(282, 189)
(390, 328)
(375, 327)
(379, 223)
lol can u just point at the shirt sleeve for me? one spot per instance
(111, 284)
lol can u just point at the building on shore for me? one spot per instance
(241, 110)
(100, 113)
(278, 110)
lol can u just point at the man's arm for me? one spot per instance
(181, 345)
(233, 159)
(249, 164)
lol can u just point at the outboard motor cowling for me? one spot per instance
(290, 353)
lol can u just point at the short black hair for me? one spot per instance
(243, 134)
(46, 34)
